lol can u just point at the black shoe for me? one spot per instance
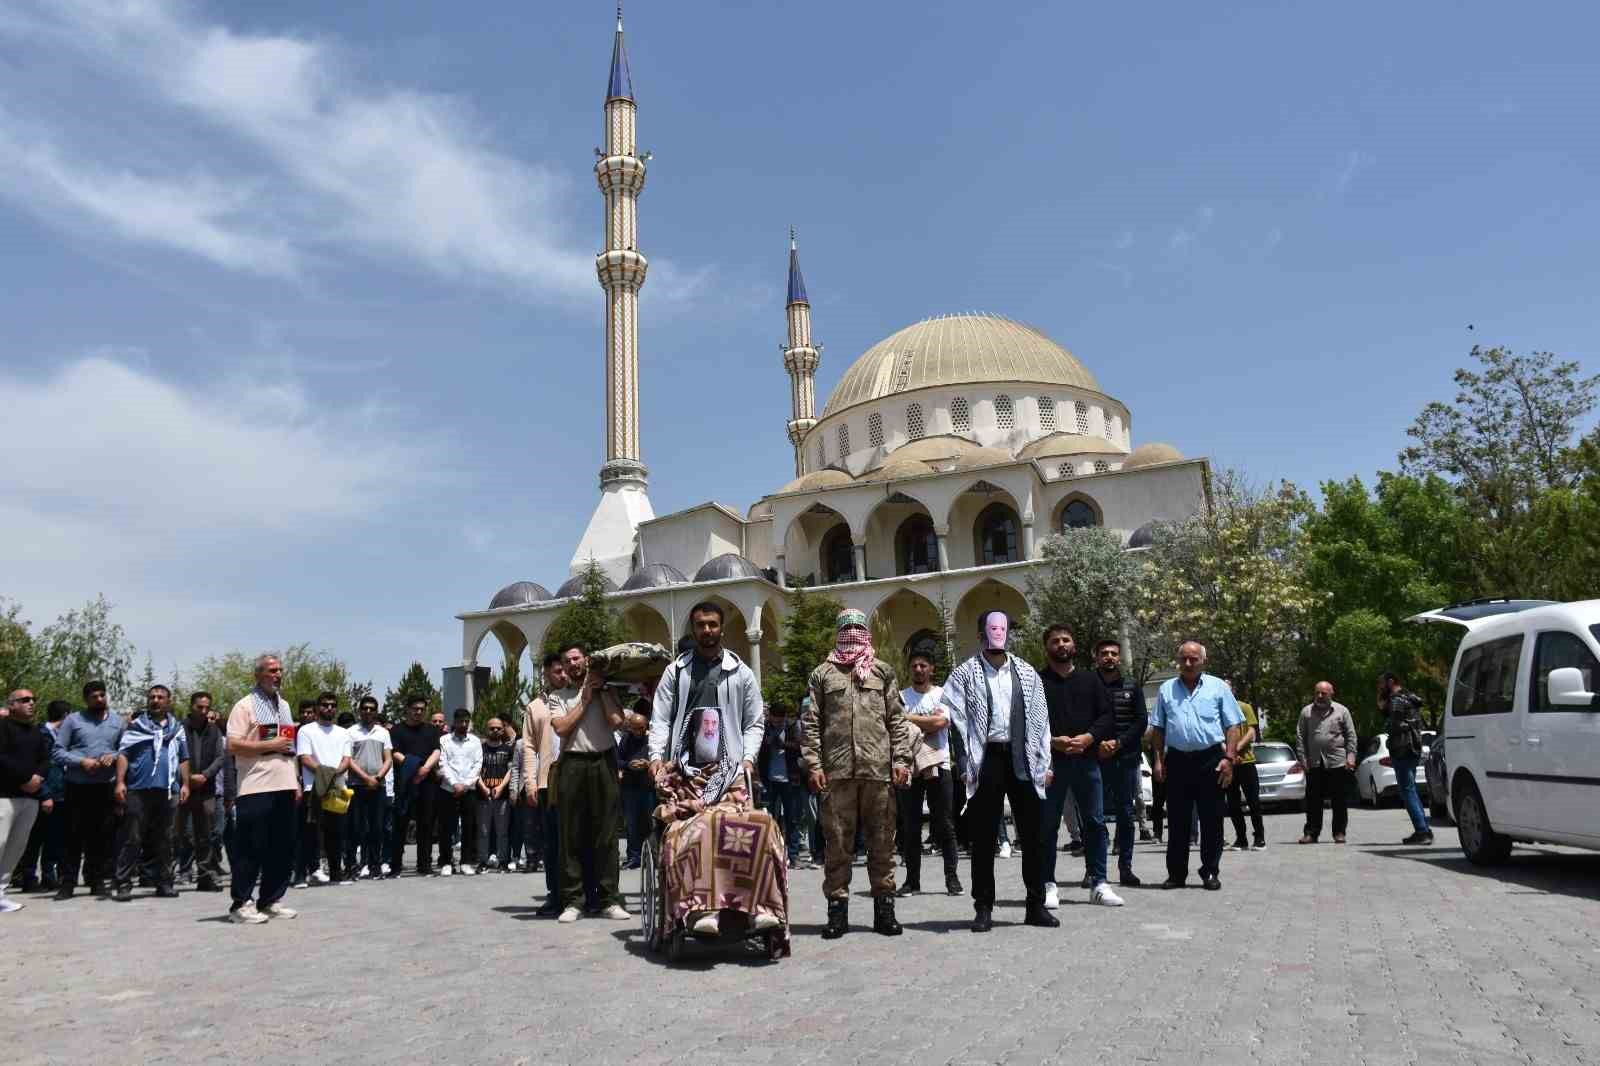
(64, 892)
(548, 910)
(1086, 882)
(1075, 848)
(206, 884)
(1144, 836)
(952, 885)
(983, 919)
(1172, 882)
(124, 894)
(910, 888)
(1037, 915)
(99, 888)
(883, 920)
(1212, 884)
(1241, 845)
(1129, 878)
(838, 919)
(49, 884)
(166, 892)
(1419, 838)
(1158, 837)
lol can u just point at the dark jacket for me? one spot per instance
(1129, 713)
(207, 752)
(789, 737)
(1404, 709)
(1078, 704)
(24, 753)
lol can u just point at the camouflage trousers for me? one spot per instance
(871, 804)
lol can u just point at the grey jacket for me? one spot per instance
(1325, 741)
(738, 694)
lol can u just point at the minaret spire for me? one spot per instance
(800, 359)
(620, 172)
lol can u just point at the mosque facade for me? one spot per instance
(922, 491)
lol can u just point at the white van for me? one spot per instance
(1522, 724)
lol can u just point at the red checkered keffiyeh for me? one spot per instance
(852, 651)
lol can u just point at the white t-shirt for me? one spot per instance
(328, 744)
(927, 704)
(367, 746)
(999, 682)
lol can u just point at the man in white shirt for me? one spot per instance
(371, 754)
(922, 711)
(323, 749)
(460, 767)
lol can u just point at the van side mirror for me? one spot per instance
(1565, 687)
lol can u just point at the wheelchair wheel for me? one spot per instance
(652, 901)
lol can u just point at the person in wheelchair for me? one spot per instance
(723, 863)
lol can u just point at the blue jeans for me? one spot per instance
(1405, 778)
(785, 803)
(1082, 777)
(637, 803)
(1121, 778)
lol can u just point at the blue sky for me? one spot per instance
(301, 333)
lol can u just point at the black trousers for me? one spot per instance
(998, 782)
(1246, 786)
(1331, 783)
(1192, 785)
(1158, 805)
(454, 811)
(367, 810)
(939, 792)
(263, 845)
(332, 827)
(145, 831)
(193, 834)
(91, 832)
(308, 844)
(414, 802)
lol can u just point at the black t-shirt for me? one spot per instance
(415, 741)
(1078, 704)
(496, 762)
(703, 677)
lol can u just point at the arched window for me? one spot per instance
(1047, 414)
(960, 415)
(926, 642)
(916, 547)
(1005, 415)
(914, 425)
(1064, 470)
(995, 533)
(1078, 514)
(1082, 411)
(875, 430)
(838, 556)
(844, 441)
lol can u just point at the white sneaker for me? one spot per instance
(320, 878)
(1005, 850)
(765, 921)
(247, 915)
(493, 863)
(301, 884)
(1102, 895)
(7, 904)
(570, 915)
(616, 912)
(445, 871)
(515, 867)
(386, 869)
(278, 910)
(468, 871)
(707, 925)
(1052, 897)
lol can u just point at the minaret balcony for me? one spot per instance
(620, 173)
(621, 269)
(800, 360)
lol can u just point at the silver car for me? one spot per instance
(1282, 778)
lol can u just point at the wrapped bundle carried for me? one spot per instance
(633, 662)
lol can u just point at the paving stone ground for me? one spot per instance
(1366, 953)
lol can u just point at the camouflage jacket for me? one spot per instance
(854, 731)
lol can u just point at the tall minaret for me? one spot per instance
(800, 359)
(620, 171)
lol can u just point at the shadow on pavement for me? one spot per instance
(1554, 872)
(700, 955)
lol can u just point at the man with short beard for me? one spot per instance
(24, 761)
(588, 795)
(261, 744)
(1119, 757)
(416, 754)
(371, 753)
(197, 816)
(1081, 719)
(152, 762)
(323, 748)
(86, 748)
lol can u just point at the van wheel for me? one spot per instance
(1482, 845)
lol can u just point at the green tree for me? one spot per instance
(587, 620)
(506, 696)
(807, 640)
(18, 650)
(83, 645)
(1089, 584)
(416, 682)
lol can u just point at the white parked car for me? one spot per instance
(1375, 780)
(1147, 781)
(1282, 778)
(1522, 722)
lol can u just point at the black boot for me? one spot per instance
(982, 919)
(883, 920)
(1037, 915)
(952, 885)
(838, 919)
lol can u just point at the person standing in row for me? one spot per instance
(921, 702)
(41, 858)
(460, 769)
(494, 799)
(261, 744)
(1325, 744)
(416, 754)
(324, 750)
(855, 753)
(197, 816)
(24, 762)
(781, 776)
(996, 703)
(86, 749)
(1120, 759)
(152, 764)
(638, 791)
(371, 754)
(1246, 787)
(1081, 719)
(1196, 728)
(541, 747)
(586, 785)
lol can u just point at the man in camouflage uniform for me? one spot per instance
(855, 752)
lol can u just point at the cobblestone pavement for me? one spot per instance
(1370, 952)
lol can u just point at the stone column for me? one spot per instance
(861, 561)
(1027, 536)
(783, 581)
(469, 670)
(942, 535)
(754, 636)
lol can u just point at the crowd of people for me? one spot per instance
(740, 792)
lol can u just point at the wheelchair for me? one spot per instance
(672, 936)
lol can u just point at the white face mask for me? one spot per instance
(996, 631)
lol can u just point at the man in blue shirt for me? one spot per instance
(152, 766)
(1195, 728)
(86, 751)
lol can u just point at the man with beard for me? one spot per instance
(586, 718)
(324, 749)
(86, 749)
(996, 703)
(416, 754)
(261, 745)
(197, 815)
(460, 769)
(24, 761)
(541, 747)
(1080, 720)
(1119, 756)
(855, 752)
(371, 753)
(152, 761)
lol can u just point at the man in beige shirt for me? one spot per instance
(585, 715)
(261, 742)
(541, 747)
(1325, 744)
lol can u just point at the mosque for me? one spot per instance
(943, 457)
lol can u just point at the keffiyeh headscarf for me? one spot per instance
(852, 647)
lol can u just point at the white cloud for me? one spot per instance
(394, 171)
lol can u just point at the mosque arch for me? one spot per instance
(990, 594)
(1077, 510)
(907, 613)
(997, 535)
(916, 546)
(647, 624)
(837, 556)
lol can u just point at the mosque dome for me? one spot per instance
(957, 350)
(654, 575)
(1151, 454)
(979, 457)
(1069, 444)
(573, 586)
(726, 565)
(519, 594)
(1144, 536)
(819, 479)
(898, 469)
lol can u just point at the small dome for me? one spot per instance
(897, 469)
(519, 594)
(1069, 444)
(829, 478)
(573, 586)
(726, 565)
(982, 457)
(1144, 536)
(654, 575)
(933, 449)
(1150, 455)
